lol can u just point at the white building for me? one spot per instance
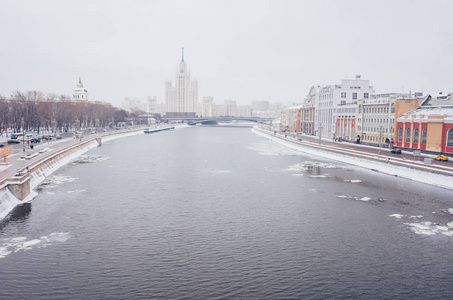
(332, 97)
(182, 97)
(80, 93)
(133, 104)
(208, 109)
(376, 117)
(151, 105)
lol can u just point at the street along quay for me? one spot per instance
(422, 167)
(25, 170)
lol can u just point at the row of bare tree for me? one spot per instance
(34, 111)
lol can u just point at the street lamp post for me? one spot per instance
(23, 134)
(380, 138)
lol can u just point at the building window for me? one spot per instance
(424, 134)
(365, 95)
(400, 134)
(354, 95)
(450, 138)
(415, 138)
(393, 108)
(343, 94)
(408, 135)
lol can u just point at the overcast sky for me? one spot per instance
(242, 50)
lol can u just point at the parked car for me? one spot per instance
(1, 145)
(13, 141)
(58, 137)
(441, 158)
(395, 151)
(35, 140)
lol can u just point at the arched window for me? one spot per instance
(424, 134)
(400, 134)
(415, 138)
(450, 138)
(408, 135)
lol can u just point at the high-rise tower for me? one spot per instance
(183, 96)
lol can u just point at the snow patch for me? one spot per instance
(7, 203)
(400, 171)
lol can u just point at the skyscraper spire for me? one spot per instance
(182, 54)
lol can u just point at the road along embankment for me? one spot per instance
(19, 188)
(414, 170)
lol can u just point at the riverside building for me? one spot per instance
(429, 127)
(80, 93)
(330, 98)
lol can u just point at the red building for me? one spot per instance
(428, 127)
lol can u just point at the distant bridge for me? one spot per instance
(216, 120)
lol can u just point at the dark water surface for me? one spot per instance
(221, 213)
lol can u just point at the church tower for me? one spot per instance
(80, 93)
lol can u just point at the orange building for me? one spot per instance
(429, 127)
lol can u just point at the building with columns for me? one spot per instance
(182, 97)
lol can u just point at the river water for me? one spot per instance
(222, 213)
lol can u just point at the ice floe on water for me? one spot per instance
(352, 180)
(86, 159)
(398, 216)
(429, 228)
(266, 148)
(364, 199)
(416, 217)
(426, 227)
(54, 180)
(450, 210)
(319, 176)
(76, 191)
(312, 169)
(13, 245)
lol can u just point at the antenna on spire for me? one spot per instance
(182, 54)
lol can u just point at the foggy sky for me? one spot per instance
(242, 50)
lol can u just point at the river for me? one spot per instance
(222, 213)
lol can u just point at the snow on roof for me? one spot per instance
(426, 111)
(438, 100)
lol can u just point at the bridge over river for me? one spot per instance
(216, 120)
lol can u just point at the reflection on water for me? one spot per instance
(19, 214)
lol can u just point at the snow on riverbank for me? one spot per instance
(413, 174)
(8, 201)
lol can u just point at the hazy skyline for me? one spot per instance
(242, 50)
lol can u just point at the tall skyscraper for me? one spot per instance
(181, 99)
